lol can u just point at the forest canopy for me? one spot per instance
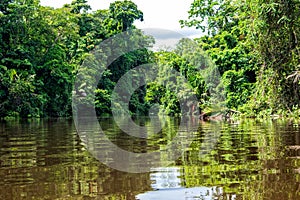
(253, 44)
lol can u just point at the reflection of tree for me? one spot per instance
(278, 178)
(45, 160)
(248, 162)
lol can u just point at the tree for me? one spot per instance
(228, 45)
(19, 53)
(42, 49)
(261, 37)
(124, 13)
(95, 28)
(214, 16)
(275, 27)
(78, 6)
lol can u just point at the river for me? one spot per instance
(246, 159)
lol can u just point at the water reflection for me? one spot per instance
(45, 159)
(197, 193)
(120, 150)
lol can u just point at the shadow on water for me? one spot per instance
(45, 159)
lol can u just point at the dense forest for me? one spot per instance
(253, 45)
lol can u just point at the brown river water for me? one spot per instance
(249, 159)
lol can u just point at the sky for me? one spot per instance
(164, 14)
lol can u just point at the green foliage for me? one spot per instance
(91, 35)
(78, 6)
(276, 30)
(235, 62)
(42, 48)
(124, 13)
(194, 74)
(163, 91)
(213, 16)
(253, 41)
(254, 45)
(237, 88)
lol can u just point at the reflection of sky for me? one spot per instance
(196, 193)
(166, 178)
(167, 185)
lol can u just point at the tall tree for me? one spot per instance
(276, 30)
(124, 14)
(228, 44)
